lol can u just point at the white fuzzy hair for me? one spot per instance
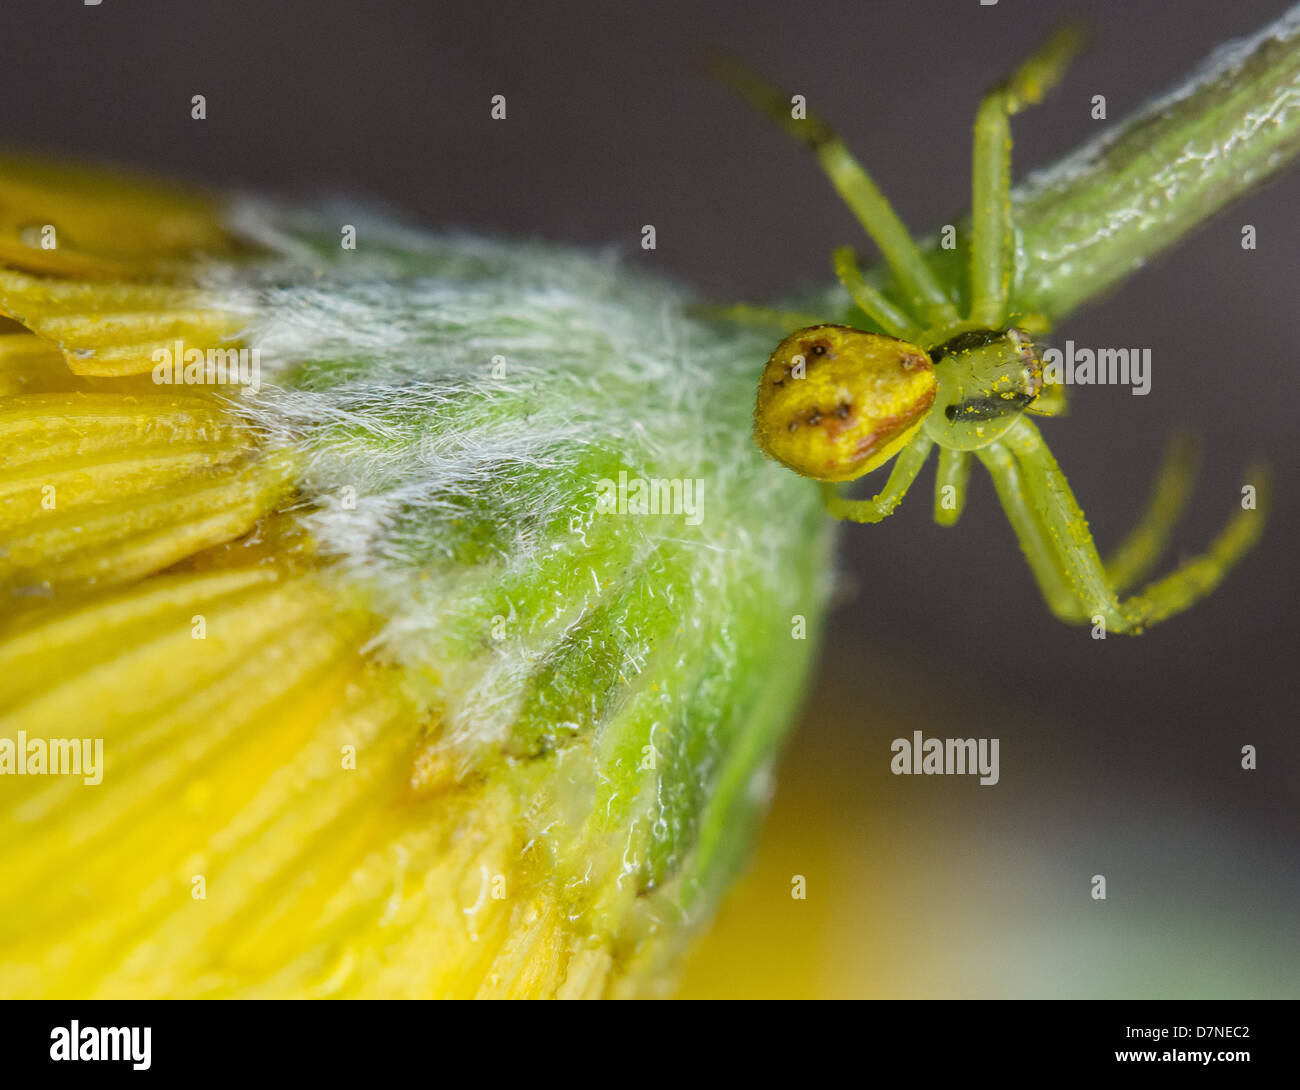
(436, 480)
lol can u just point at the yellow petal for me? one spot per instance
(104, 221)
(265, 818)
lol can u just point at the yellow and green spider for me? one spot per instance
(835, 402)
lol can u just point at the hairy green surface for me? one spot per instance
(461, 407)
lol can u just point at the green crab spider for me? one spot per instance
(836, 402)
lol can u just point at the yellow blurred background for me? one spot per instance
(937, 887)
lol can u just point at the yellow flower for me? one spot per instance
(372, 703)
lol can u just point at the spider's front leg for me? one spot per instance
(925, 296)
(1054, 535)
(991, 225)
(1035, 540)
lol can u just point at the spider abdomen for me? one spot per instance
(835, 402)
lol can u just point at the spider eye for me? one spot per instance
(818, 350)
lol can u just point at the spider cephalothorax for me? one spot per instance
(987, 377)
(836, 402)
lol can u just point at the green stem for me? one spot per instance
(1135, 190)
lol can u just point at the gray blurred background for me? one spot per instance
(1119, 756)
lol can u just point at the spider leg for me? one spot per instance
(924, 293)
(872, 303)
(749, 314)
(991, 227)
(1135, 556)
(954, 473)
(881, 506)
(1068, 536)
(1195, 578)
(1034, 537)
